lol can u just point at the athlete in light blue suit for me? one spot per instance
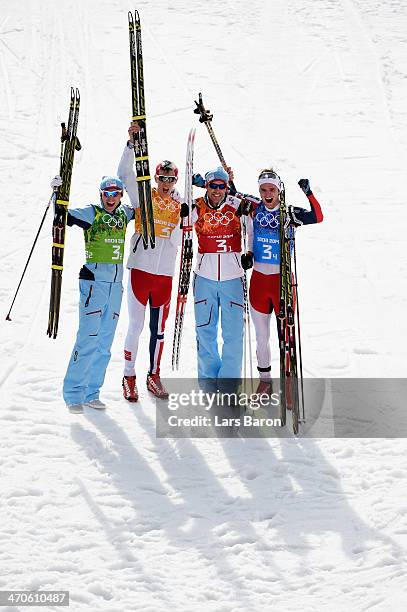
(101, 289)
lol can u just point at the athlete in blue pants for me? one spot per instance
(101, 289)
(211, 297)
(99, 309)
(218, 282)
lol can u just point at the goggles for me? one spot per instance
(217, 185)
(270, 178)
(111, 194)
(166, 179)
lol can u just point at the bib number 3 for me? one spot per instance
(116, 252)
(221, 246)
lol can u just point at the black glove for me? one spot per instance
(247, 260)
(184, 212)
(245, 208)
(292, 219)
(305, 186)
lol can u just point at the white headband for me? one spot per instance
(274, 181)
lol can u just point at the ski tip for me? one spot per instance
(130, 17)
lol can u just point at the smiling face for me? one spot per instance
(165, 180)
(111, 197)
(216, 190)
(269, 195)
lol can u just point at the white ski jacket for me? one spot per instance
(161, 259)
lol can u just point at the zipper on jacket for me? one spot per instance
(136, 244)
(92, 313)
(89, 296)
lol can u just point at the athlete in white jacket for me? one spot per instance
(151, 270)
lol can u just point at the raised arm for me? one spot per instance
(300, 216)
(125, 170)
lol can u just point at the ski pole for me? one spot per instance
(52, 199)
(206, 117)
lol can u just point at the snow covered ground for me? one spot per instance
(96, 504)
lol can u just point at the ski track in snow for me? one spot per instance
(97, 504)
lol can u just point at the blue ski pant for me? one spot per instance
(210, 297)
(99, 309)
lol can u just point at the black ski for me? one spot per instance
(140, 139)
(69, 143)
(289, 392)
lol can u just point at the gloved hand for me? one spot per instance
(230, 173)
(198, 180)
(247, 260)
(305, 186)
(291, 218)
(184, 212)
(245, 207)
(56, 182)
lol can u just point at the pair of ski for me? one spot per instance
(186, 254)
(60, 201)
(289, 381)
(140, 139)
(69, 144)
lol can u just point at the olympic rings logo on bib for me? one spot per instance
(218, 218)
(113, 221)
(171, 206)
(267, 220)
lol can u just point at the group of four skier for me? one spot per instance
(218, 283)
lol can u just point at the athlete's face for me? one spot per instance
(269, 195)
(165, 186)
(216, 192)
(111, 198)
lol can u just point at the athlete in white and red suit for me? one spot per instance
(263, 231)
(218, 284)
(151, 270)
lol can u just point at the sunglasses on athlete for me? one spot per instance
(166, 179)
(217, 185)
(111, 194)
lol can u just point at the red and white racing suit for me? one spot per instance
(151, 270)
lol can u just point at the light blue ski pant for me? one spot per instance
(99, 309)
(211, 296)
